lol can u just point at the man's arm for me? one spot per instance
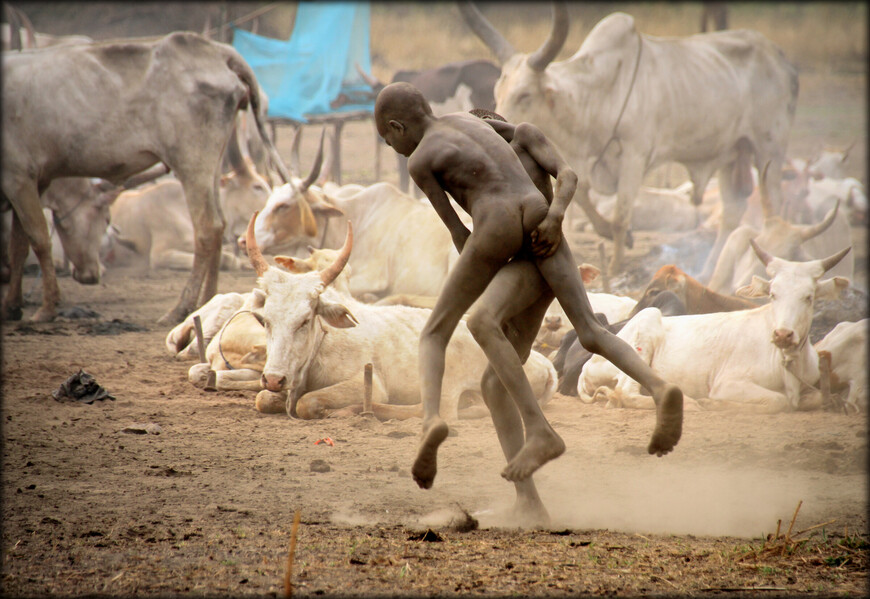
(419, 167)
(545, 239)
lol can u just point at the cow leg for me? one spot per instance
(242, 379)
(630, 179)
(28, 225)
(599, 223)
(745, 396)
(318, 404)
(201, 193)
(733, 207)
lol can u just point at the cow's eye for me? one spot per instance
(808, 299)
(303, 324)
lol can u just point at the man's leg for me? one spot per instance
(477, 265)
(560, 272)
(517, 299)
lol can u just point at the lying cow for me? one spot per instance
(318, 341)
(737, 264)
(572, 356)
(697, 298)
(402, 246)
(753, 360)
(846, 345)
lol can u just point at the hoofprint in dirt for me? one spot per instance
(170, 489)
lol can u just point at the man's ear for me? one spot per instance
(397, 126)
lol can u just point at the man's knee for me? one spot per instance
(590, 337)
(481, 324)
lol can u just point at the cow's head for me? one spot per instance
(792, 289)
(83, 222)
(295, 311)
(294, 213)
(242, 191)
(535, 89)
(525, 88)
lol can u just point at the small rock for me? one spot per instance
(141, 429)
(320, 466)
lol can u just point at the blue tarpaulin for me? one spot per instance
(315, 69)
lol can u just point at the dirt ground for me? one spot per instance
(96, 501)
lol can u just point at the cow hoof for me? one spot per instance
(43, 315)
(269, 402)
(13, 313)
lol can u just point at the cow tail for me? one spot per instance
(243, 71)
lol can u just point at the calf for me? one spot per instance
(754, 360)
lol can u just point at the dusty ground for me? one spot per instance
(205, 504)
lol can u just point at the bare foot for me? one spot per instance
(530, 513)
(669, 421)
(536, 452)
(426, 464)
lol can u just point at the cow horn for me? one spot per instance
(762, 254)
(831, 261)
(328, 274)
(294, 150)
(849, 149)
(494, 40)
(807, 232)
(766, 207)
(318, 162)
(544, 55)
(254, 254)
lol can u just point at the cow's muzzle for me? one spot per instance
(88, 277)
(784, 339)
(273, 382)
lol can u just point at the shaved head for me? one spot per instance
(400, 101)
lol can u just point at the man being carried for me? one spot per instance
(462, 155)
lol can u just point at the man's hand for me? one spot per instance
(546, 237)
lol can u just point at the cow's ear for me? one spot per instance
(257, 355)
(588, 272)
(336, 315)
(757, 288)
(258, 297)
(830, 289)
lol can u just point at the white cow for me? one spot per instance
(402, 246)
(318, 341)
(847, 345)
(737, 263)
(626, 103)
(753, 360)
(126, 105)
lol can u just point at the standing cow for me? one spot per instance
(626, 103)
(126, 105)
